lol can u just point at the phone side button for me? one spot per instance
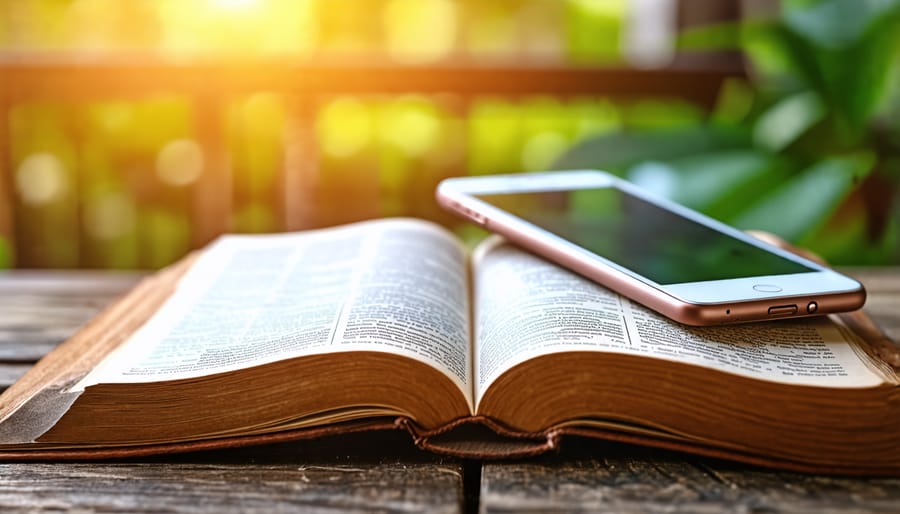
(783, 310)
(478, 218)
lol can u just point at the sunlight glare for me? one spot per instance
(251, 27)
(234, 4)
(420, 30)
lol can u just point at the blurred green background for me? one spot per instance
(801, 137)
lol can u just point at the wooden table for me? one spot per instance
(385, 472)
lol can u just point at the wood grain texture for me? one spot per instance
(39, 310)
(362, 472)
(236, 487)
(605, 477)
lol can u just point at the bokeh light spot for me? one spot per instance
(344, 127)
(41, 179)
(109, 216)
(414, 128)
(179, 162)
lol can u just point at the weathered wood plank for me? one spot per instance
(606, 477)
(42, 309)
(381, 472)
(359, 472)
(222, 488)
(9, 373)
(57, 282)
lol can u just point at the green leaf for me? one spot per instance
(835, 24)
(617, 151)
(735, 101)
(845, 51)
(867, 68)
(782, 56)
(697, 181)
(800, 205)
(843, 239)
(787, 120)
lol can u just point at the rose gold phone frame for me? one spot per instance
(698, 314)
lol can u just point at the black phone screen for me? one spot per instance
(641, 236)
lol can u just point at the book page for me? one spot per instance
(527, 307)
(397, 286)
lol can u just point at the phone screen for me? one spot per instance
(638, 235)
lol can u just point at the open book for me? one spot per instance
(391, 324)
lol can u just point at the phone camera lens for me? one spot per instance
(812, 307)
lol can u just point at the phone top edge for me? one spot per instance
(460, 188)
(457, 195)
(532, 181)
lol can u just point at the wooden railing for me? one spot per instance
(209, 83)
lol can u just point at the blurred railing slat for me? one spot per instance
(7, 224)
(300, 170)
(30, 77)
(211, 206)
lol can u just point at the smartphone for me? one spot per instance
(665, 256)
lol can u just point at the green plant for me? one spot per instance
(808, 147)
